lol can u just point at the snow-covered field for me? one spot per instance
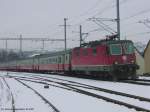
(68, 101)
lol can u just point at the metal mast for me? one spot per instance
(65, 30)
(20, 45)
(118, 20)
(80, 35)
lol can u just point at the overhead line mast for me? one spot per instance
(65, 32)
(118, 19)
(106, 27)
(80, 35)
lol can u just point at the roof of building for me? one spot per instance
(146, 47)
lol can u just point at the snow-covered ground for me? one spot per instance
(143, 77)
(25, 99)
(69, 101)
(5, 96)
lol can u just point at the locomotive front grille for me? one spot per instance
(125, 67)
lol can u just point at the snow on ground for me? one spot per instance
(131, 101)
(25, 99)
(139, 90)
(143, 77)
(121, 98)
(5, 96)
(65, 101)
(68, 101)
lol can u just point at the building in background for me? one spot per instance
(147, 58)
(140, 62)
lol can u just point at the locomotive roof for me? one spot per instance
(103, 42)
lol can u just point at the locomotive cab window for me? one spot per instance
(128, 48)
(115, 49)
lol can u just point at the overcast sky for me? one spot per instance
(42, 18)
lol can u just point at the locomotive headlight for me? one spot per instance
(132, 61)
(116, 62)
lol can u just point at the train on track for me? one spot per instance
(109, 58)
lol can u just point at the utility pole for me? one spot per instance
(65, 32)
(20, 45)
(118, 20)
(80, 35)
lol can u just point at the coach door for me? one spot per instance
(60, 63)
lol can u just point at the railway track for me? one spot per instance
(137, 82)
(42, 97)
(77, 84)
(45, 78)
(144, 80)
(77, 88)
(12, 97)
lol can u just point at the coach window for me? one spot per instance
(56, 59)
(46, 61)
(40, 61)
(94, 51)
(59, 59)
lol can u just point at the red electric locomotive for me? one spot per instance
(107, 58)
